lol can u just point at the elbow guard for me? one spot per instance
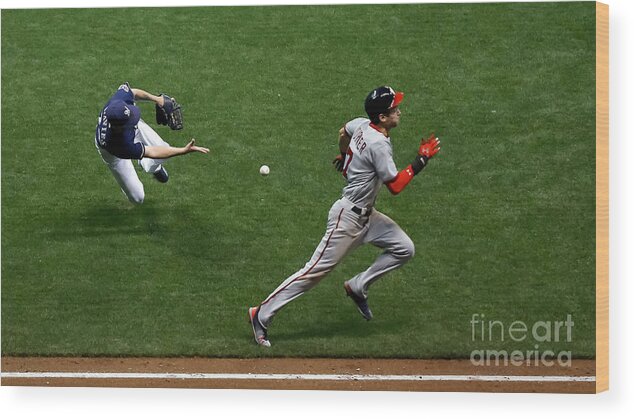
(406, 175)
(401, 180)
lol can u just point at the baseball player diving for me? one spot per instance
(367, 164)
(122, 136)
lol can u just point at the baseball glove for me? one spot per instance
(170, 113)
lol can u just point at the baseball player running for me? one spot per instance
(366, 162)
(122, 136)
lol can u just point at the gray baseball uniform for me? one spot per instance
(352, 221)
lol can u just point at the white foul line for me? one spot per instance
(309, 377)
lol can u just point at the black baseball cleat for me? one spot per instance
(362, 303)
(259, 331)
(161, 175)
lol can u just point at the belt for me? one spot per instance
(362, 211)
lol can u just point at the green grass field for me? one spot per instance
(503, 219)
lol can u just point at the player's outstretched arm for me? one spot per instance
(428, 149)
(143, 95)
(164, 152)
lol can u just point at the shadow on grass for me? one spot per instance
(345, 328)
(106, 220)
(319, 331)
(174, 230)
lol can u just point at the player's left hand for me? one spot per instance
(169, 113)
(338, 162)
(190, 148)
(429, 147)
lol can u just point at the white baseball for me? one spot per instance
(264, 170)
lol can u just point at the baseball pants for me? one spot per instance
(123, 169)
(345, 231)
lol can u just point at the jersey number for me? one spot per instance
(347, 162)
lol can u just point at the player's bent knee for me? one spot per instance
(406, 250)
(411, 250)
(136, 198)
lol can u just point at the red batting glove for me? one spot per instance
(429, 147)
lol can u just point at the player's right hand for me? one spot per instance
(190, 147)
(429, 147)
(338, 162)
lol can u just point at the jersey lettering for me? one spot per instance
(359, 142)
(102, 130)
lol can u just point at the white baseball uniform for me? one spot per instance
(123, 169)
(117, 152)
(352, 221)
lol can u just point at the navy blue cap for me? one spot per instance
(381, 100)
(120, 113)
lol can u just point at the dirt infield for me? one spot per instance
(298, 373)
